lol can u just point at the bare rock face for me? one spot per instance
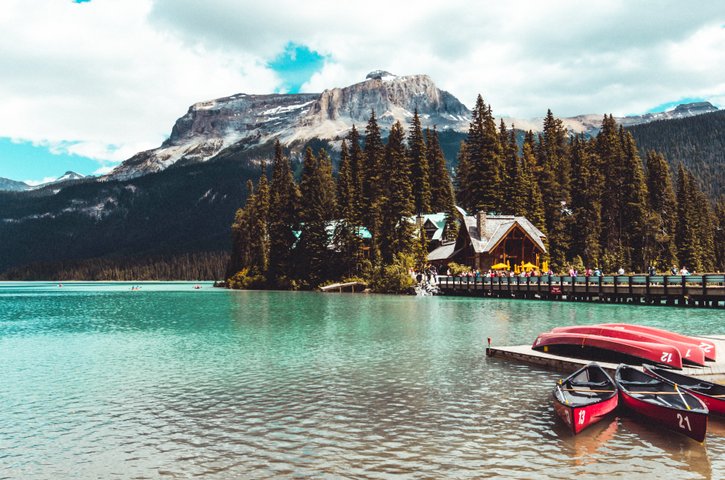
(243, 121)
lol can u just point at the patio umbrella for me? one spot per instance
(499, 266)
(528, 266)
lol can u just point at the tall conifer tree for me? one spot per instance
(664, 210)
(373, 183)
(534, 204)
(555, 174)
(396, 233)
(419, 167)
(585, 202)
(283, 215)
(442, 198)
(318, 207)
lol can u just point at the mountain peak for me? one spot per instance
(695, 106)
(379, 75)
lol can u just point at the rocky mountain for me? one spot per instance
(241, 122)
(8, 185)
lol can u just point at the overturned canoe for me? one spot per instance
(585, 397)
(661, 402)
(706, 345)
(690, 353)
(607, 348)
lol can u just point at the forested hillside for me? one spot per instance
(697, 142)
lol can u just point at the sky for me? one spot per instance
(86, 84)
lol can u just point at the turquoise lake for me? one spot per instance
(102, 381)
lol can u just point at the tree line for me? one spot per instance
(596, 200)
(185, 266)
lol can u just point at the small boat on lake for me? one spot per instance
(661, 402)
(598, 347)
(706, 345)
(585, 397)
(690, 353)
(711, 394)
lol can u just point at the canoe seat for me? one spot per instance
(637, 383)
(589, 384)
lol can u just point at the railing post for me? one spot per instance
(704, 288)
(586, 286)
(631, 292)
(664, 286)
(646, 287)
(616, 277)
(599, 293)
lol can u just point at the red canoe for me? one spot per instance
(707, 346)
(585, 397)
(690, 353)
(578, 344)
(711, 394)
(661, 402)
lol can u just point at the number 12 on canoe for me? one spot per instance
(666, 357)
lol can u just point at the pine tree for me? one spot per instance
(283, 215)
(585, 202)
(345, 187)
(534, 204)
(664, 210)
(442, 198)
(396, 232)
(609, 150)
(719, 234)
(317, 208)
(373, 183)
(688, 245)
(635, 206)
(357, 172)
(481, 180)
(555, 174)
(419, 167)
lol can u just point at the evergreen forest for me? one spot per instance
(600, 202)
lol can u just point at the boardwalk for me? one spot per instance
(679, 290)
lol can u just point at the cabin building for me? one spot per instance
(485, 240)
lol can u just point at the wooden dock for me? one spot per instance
(713, 371)
(707, 291)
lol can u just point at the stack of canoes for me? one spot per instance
(655, 394)
(624, 342)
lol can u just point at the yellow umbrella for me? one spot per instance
(499, 266)
(528, 266)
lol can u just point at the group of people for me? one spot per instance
(573, 272)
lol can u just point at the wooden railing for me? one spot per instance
(693, 290)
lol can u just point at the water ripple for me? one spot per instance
(180, 384)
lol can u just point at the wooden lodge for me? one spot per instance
(487, 240)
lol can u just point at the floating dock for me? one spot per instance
(713, 371)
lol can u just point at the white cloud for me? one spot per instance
(34, 183)
(108, 79)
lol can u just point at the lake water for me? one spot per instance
(99, 381)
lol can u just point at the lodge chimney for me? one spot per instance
(481, 223)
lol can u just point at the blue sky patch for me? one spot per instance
(295, 66)
(25, 161)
